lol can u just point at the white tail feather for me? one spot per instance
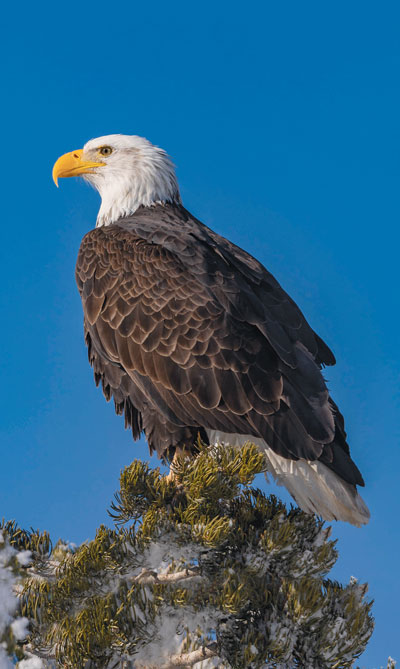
(315, 487)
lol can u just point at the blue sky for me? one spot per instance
(283, 121)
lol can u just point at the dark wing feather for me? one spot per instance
(202, 336)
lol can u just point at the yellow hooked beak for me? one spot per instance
(72, 165)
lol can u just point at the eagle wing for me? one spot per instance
(180, 320)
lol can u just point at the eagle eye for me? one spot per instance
(105, 150)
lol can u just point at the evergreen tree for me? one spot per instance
(202, 571)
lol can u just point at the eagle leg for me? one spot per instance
(180, 453)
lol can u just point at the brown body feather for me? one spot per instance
(188, 333)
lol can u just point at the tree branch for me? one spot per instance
(189, 659)
(149, 576)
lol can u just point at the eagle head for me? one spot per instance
(127, 170)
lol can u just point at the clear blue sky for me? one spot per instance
(283, 121)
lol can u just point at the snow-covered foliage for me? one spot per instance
(13, 627)
(17, 550)
(8, 600)
(204, 571)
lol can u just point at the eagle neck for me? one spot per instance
(126, 191)
(111, 214)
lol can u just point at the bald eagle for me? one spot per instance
(192, 337)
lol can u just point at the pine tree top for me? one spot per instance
(203, 571)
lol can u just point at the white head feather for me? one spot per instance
(135, 173)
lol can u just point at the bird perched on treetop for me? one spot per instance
(193, 337)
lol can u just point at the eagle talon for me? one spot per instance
(179, 454)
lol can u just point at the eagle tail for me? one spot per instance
(315, 487)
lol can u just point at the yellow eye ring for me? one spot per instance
(105, 150)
